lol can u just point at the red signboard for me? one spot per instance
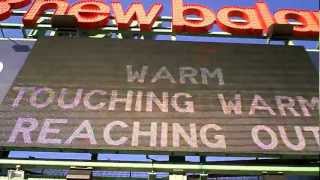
(92, 14)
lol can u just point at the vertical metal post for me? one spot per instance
(203, 159)
(2, 33)
(4, 154)
(24, 33)
(152, 176)
(94, 156)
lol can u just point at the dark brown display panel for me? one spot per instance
(163, 97)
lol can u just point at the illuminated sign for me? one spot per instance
(158, 96)
(93, 14)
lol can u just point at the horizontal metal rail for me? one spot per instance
(167, 167)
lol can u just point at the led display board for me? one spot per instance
(163, 97)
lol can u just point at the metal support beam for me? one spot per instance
(203, 159)
(169, 167)
(94, 156)
(4, 154)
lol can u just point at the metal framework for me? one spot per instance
(169, 167)
(160, 28)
